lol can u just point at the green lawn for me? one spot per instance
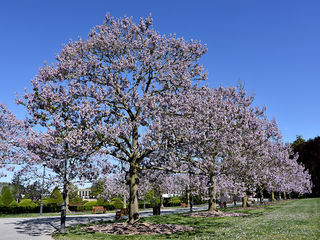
(295, 219)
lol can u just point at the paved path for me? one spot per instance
(41, 228)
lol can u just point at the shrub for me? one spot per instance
(76, 200)
(175, 201)
(27, 206)
(51, 208)
(198, 200)
(76, 207)
(80, 208)
(141, 204)
(100, 202)
(13, 204)
(109, 206)
(13, 207)
(154, 202)
(89, 205)
(27, 203)
(117, 203)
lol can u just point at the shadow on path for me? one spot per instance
(46, 226)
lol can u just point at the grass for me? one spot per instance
(294, 219)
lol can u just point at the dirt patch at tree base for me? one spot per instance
(138, 228)
(216, 214)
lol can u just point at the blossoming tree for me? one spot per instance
(108, 87)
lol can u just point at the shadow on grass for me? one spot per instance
(201, 225)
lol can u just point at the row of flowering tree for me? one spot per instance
(130, 99)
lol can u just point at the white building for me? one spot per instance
(84, 193)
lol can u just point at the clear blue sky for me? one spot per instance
(272, 46)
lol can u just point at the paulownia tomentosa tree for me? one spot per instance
(114, 85)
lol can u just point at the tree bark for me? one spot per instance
(188, 196)
(245, 200)
(285, 196)
(272, 196)
(161, 201)
(68, 201)
(134, 179)
(133, 189)
(64, 200)
(212, 200)
(261, 195)
(124, 201)
(279, 196)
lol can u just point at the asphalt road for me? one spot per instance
(41, 228)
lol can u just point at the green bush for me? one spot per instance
(109, 206)
(13, 204)
(76, 200)
(175, 201)
(13, 207)
(100, 202)
(27, 203)
(148, 204)
(154, 202)
(89, 205)
(27, 206)
(198, 200)
(117, 203)
(76, 207)
(51, 208)
(80, 208)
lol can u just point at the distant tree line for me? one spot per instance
(309, 156)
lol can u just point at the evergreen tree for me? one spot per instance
(55, 197)
(97, 188)
(309, 156)
(6, 196)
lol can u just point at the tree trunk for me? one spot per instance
(133, 189)
(161, 201)
(285, 196)
(244, 200)
(124, 201)
(234, 201)
(261, 195)
(41, 202)
(188, 196)
(279, 196)
(272, 196)
(68, 201)
(212, 200)
(64, 200)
